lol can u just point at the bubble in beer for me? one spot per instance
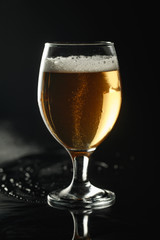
(98, 63)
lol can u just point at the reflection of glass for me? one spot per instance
(80, 220)
(79, 97)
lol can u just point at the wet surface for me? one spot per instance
(32, 177)
(32, 171)
(19, 220)
(25, 183)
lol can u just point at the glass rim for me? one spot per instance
(79, 43)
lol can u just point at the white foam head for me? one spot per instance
(97, 63)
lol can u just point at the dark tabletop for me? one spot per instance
(32, 166)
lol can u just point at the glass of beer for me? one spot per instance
(79, 97)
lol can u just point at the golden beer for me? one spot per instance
(80, 108)
(79, 97)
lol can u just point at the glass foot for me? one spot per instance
(95, 198)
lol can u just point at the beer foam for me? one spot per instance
(97, 63)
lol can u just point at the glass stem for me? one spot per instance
(80, 169)
(80, 180)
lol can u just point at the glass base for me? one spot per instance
(95, 198)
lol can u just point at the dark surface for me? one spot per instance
(25, 182)
(32, 162)
(24, 221)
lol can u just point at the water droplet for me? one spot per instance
(6, 189)
(28, 190)
(11, 180)
(103, 164)
(11, 193)
(19, 185)
(99, 168)
(65, 168)
(29, 169)
(115, 166)
(27, 176)
(4, 177)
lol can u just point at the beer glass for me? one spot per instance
(79, 97)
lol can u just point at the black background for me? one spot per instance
(27, 25)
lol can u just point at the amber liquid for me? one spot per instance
(80, 109)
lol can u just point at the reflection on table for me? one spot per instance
(25, 214)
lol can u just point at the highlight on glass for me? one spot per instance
(79, 97)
